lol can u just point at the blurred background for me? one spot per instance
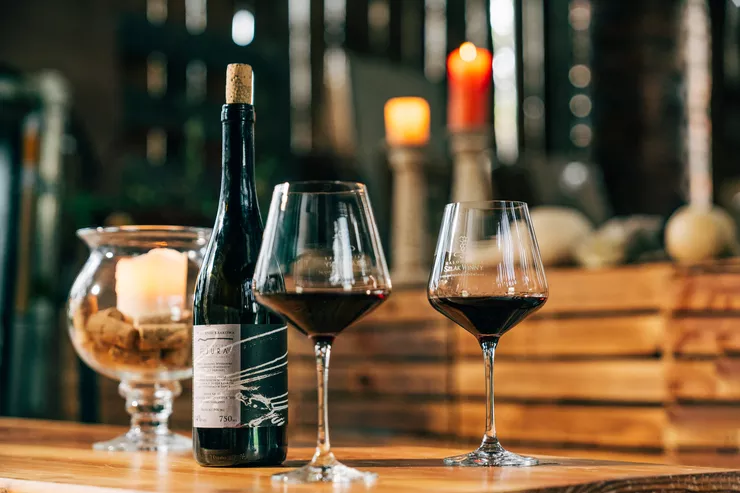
(109, 114)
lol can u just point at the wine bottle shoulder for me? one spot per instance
(223, 292)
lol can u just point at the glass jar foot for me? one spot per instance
(138, 442)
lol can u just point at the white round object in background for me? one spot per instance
(605, 247)
(242, 27)
(727, 228)
(693, 234)
(559, 231)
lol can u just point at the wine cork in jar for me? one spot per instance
(239, 83)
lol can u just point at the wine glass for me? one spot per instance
(321, 267)
(487, 277)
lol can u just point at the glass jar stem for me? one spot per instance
(150, 407)
(489, 350)
(323, 457)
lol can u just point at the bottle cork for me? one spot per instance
(239, 83)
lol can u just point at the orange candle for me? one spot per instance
(407, 122)
(469, 87)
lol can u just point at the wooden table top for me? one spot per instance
(50, 457)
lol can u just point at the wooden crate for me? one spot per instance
(637, 360)
(632, 360)
(703, 365)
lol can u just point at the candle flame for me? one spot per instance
(468, 51)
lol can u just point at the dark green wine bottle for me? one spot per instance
(240, 373)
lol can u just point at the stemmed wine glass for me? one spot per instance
(321, 267)
(487, 277)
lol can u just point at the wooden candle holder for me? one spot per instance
(410, 244)
(471, 179)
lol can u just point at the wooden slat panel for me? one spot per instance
(605, 336)
(298, 344)
(606, 426)
(613, 380)
(302, 376)
(710, 291)
(705, 380)
(367, 377)
(365, 414)
(386, 339)
(705, 336)
(404, 305)
(632, 288)
(702, 427)
(391, 379)
(396, 340)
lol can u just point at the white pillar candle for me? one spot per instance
(697, 52)
(152, 284)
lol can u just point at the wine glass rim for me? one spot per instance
(491, 204)
(351, 187)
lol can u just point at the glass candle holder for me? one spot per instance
(130, 319)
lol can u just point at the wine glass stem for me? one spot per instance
(323, 455)
(489, 350)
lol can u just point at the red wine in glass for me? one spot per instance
(487, 317)
(322, 315)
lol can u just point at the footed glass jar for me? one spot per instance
(130, 319)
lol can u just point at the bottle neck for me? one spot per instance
(238, 190)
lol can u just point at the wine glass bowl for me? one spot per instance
(321, 267)
(129, 318)
(487, 277)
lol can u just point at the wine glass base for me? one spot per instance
(491, 456)
(138, 442)
(335, 473)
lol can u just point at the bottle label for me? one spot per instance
(240, 376)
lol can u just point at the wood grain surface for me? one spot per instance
(49, 457)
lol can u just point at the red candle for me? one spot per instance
(469, 87)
